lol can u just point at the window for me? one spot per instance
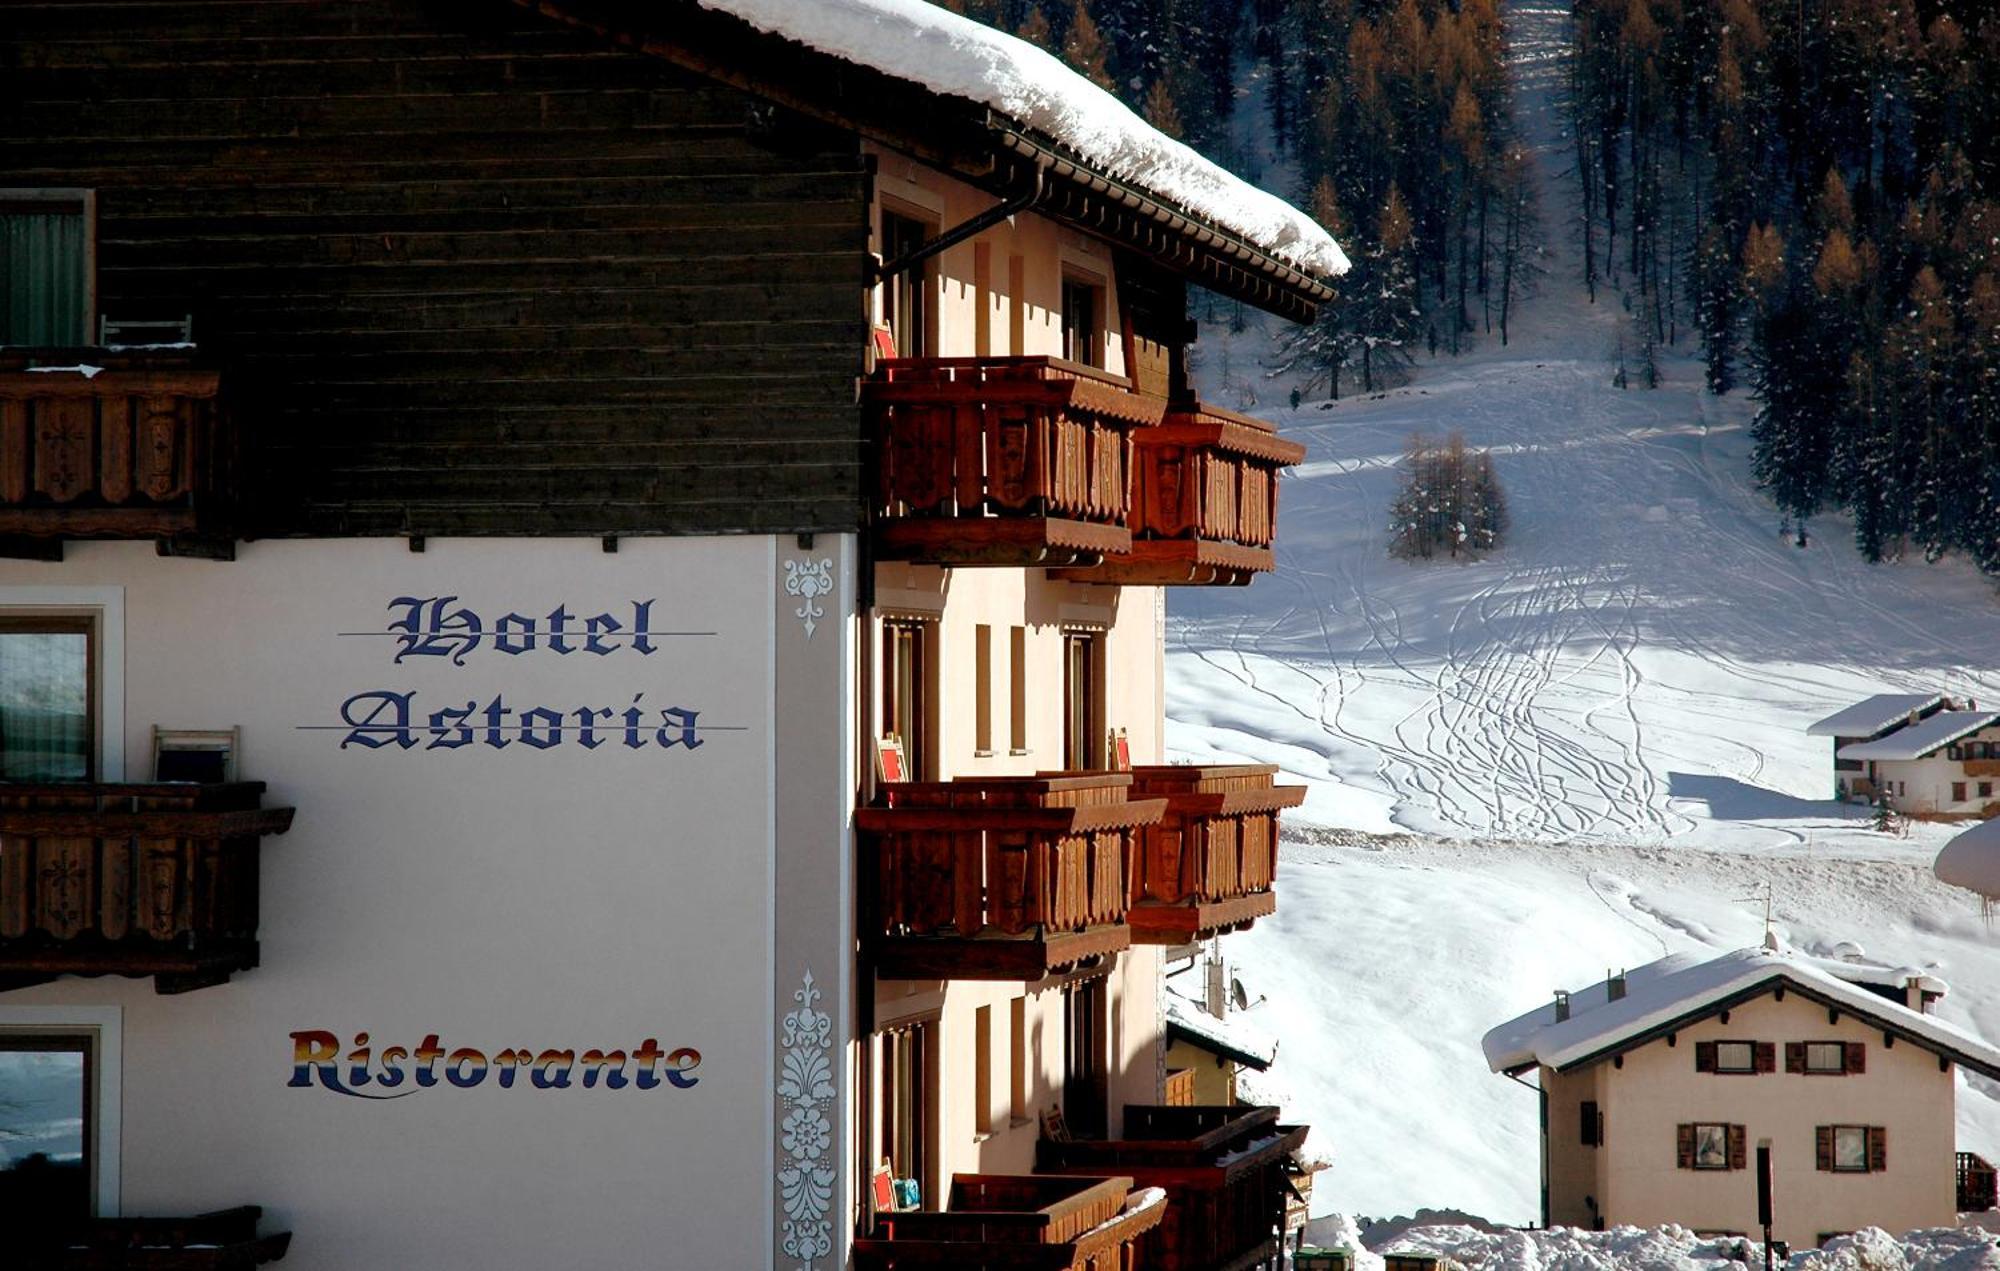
(982, 705)
(207, 756)
(47, 1137)
(982, 1076)
(1083, 339)
(1736, 1057)
(904, 310)
(1705, 1145)
(1851, 1149)
(905, 1128)
(1017, 1060)
(1593, 1124)
(48, 698)
(1083, 738)
(1084, 1067)
(47, 274)
(906, 692)
(1986, 789)
(1826, 1058)
(1017, 690)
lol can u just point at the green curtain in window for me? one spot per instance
(43, 282)
(45, 726)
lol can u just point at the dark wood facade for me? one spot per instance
(467, 269)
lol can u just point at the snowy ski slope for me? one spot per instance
(1588, 750)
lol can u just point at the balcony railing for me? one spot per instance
(1978, 1185)
(1223, 1169)
(1205, 502)
(1209, 864)
(1030, 1222)
(113, 444)
(223, 1241)
(1003, 460)
(131, 880)
(1179, 1089)
(1002, 878)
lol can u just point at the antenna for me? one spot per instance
(1770, 940)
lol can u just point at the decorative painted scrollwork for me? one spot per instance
(809, 580)
(806, 1085)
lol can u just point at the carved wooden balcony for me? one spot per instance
(1209, 864)
(1205, 500)
(1002, 878)
(1223, 1169)
(131, 880)
(1003, 460)
(138, 449)
(223, 1241)
(1028, 1222)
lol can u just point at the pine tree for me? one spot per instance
(1083, 48)
(1159, 110)
(1035, 28)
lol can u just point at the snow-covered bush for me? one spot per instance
(1450, 504)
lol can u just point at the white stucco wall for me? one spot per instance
(547, 898)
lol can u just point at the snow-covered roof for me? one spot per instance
(1235, 1039)
(1922, 737)
(1972, 860)
(928, 45)
(1871, 715)
(1683, 985)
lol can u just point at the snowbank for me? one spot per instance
(1678, 1249)
(925, 44)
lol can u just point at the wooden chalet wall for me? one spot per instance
(465, 269)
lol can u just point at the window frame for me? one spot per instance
(1083, 700)
(1699, 1126)
(1812, 1070)
(103, 1027)
(65, 622)
(1095, 351)
(1867, 1148)
(918, 635)
(86, 202)
(105, 606)
(907, 302)
(1749, 1067)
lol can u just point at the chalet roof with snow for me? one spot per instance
(1232, 1039)
(1926, 736)
(999, 113)
(1662, 997)
(1872, 715)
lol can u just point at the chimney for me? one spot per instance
(1216, 1000)
(1614, 986)
(1562, 1006)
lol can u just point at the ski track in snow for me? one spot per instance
(1579, 754)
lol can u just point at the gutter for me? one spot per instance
(1542, 1100)
(968, 229)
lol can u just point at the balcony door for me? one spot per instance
(906, 692)
(47, 1127)
(904, 296)
(1085, 1065)
(1083, 697)
(907, 1056)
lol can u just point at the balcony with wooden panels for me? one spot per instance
(133, 880)
(1001, 878)
(1223, 1169)
(1003, 460)
(1205, 500)
(226, 1240)
(103, 444)
(1209, 864)
(1027, 1222)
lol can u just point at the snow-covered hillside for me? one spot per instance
(1585, 751)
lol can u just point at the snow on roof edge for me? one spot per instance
(1914, 741)
(1200, 1026)
(1681, 984)
(1872, 714)
(924, 44)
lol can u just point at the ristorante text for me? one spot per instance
(395, 1072)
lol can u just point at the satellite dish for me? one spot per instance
(1237, 995)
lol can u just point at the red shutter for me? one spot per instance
(1764, 1056)
(1738, 1155)
(1684, 1147)
(1857, 1057)
(1823, 1147)
(1795, 1056)
(1878, 1149)
(1704, 1056)
(1591, 1136)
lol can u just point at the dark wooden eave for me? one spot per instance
(955, 134)
(1882, 1020)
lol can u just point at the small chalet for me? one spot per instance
(1658, 1085)
(1866, 720)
